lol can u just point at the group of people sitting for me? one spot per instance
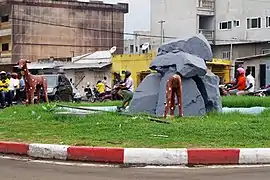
(12, 87)
(244, 83)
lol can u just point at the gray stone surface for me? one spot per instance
(196, 45)
(146, 95)
(193, 103)
(186, 64)
(210, 82)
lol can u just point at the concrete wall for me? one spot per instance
(182, 20)
(61, 29)
(241, 10)
(180, 17)
(131, 42)
(241, 50)
(91, 76)
(256, 62)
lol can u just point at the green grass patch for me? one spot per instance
(245, 101)
(36, 124)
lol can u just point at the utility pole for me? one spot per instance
(232, 63)
(231, 59)
(135, 43)
(161, 22)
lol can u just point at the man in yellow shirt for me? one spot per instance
(4, 84)
(100, 88)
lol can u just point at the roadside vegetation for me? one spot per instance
(39, 124)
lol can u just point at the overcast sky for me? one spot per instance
(138, 18)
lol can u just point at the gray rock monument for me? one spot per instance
(200, 85)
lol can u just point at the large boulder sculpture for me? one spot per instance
(200, 85)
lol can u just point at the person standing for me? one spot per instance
(13, 85)
(22, 93)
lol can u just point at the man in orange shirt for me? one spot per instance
(241, 82)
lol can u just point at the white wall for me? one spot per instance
(180, 17)
(241, 10)
(90, 76)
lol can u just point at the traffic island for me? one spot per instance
(140, 156)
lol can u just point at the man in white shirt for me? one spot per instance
(250, 84)
(127, 89)
(104, 81)
(13, 85)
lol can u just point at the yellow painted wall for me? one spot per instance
(136, 63)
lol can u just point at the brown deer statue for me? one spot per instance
(32, 83)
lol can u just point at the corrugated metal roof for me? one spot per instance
(96, 57)
(253, 57)
(84, 65)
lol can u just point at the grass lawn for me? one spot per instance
(245, 101)
(33, 124)
(228, 101)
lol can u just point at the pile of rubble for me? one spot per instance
(200, 86)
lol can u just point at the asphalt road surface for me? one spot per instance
(23, 170)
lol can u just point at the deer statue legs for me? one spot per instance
(174, 87)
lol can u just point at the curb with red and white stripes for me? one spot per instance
(147, 156)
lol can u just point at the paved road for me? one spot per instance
(21, 170)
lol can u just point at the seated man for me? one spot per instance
(250, 84)
(100, 88)
(4, 84)
(241, 82)
(127, 90)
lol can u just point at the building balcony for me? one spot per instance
(5, 54)
(5, 29)
(209, 34)
(206, 7)
(5, 32)
(5, 25)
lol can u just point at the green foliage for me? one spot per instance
(49, 107)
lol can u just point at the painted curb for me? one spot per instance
(147, 156)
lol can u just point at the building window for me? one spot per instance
(253, 23)
(5, 18)
(265, 51)
(225, 25)
(236, 23)
(226, 55)
(126, 49)
(268, 21)
(252, 70)
(5, 47)
(131, 49)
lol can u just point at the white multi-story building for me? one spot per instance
(234, 28)
(134, 45)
